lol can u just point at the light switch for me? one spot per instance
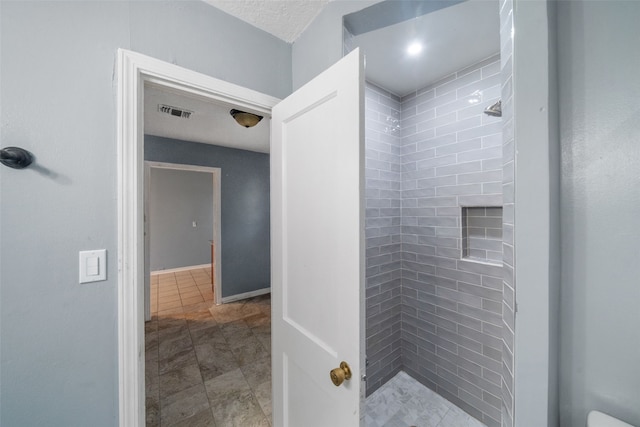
(93, 266)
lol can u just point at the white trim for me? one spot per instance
(134, 70)
(246, 295)
(178, 269)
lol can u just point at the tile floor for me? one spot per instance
(403, 401)
(210, 365)
(206, 365)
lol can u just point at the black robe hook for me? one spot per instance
(15, 157)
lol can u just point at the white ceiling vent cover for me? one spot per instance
(174, 111)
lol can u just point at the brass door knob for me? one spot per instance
(338, 375)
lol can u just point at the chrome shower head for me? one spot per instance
(494, 110)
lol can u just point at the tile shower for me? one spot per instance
(434, 238)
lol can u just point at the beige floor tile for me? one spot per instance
(257, 372)
(215, 360)
(189, 293)
(177, 360)
(168, 296)
(201, 419)
(221, 387)
(180, 379)
(248, 350)
(183, 405)
(168, 349)
(192, 300)
(263, 394)
(185, 283)
(166, 305)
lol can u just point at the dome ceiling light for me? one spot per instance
(245, 119)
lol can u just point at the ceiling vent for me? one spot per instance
(174, 111)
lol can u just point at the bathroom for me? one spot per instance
(575, 87)
(440, 293)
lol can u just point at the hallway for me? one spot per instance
(206, 365)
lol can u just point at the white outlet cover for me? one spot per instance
(92, 266)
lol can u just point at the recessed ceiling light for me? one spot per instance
(414, 48)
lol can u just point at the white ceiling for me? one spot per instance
(453, 38)
(210, 122)
(285, 19)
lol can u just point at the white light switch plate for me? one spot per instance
(93, 266)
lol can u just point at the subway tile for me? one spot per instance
(459, 190)
(479, 359)
(460, 383)
(480, 131)
(480, 314)
(454, 84)
(419, 137)
(480, 177)
(481, 154)
(479, 85)
(437, 201)
(418, 155)
(458, 318)
(482, 337)
(462, 276)
(457, 296)
(459, 125)
(491, 68)
(459, 168)
(460, 147)
(437, 182)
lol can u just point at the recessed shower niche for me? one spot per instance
(482, 234)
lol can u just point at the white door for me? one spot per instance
(317, 217)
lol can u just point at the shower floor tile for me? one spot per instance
(404, 402)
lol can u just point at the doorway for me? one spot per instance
(134, 71)
(182, 245)
(305, 345)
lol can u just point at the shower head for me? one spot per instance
(494, 110)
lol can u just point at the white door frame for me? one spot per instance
(134, 70)
(217, 222)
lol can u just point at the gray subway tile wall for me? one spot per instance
(429, 312)
(451, 307)
(508, 188)
(382, 232)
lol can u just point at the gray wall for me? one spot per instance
(59, 362)
(383, 275)
(246, 261)
(451, 311)
(176, 199)
(320, 45)
(600, 138)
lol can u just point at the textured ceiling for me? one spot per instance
(285, 19)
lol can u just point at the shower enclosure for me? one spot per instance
(439, 210)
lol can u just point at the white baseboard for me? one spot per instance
(175, 270)
(246, 295)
